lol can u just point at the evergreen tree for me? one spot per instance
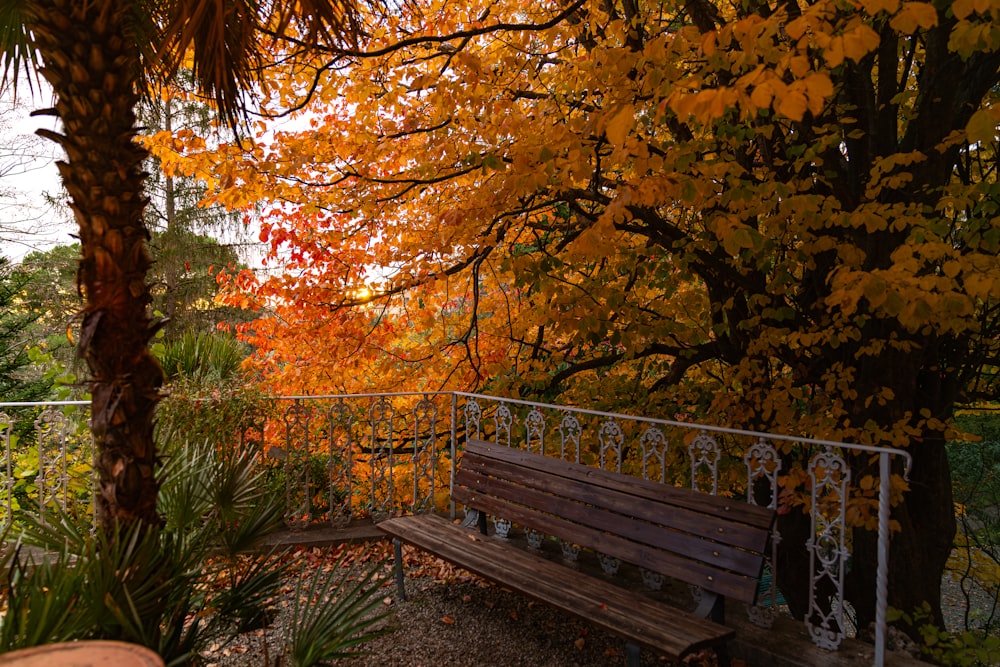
(16, 384)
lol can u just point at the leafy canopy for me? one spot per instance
(779, 216)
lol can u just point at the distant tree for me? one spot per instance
(183, 282)
(49, 294)
(15, 323)
(779, 216)
(190, 241)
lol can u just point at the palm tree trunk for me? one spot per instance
(92, 64)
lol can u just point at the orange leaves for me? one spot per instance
(619, 124)
(527, 204)
(914, 16)
(704, 106)
(852, 40)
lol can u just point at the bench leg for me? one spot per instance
(481, 520)
(713, 607)
(397, 549)
(632, 655)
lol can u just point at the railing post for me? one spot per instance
(6, 428)
(454, 451)
(882, 573)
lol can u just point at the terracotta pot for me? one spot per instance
(83, 654)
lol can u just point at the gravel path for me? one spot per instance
(454, 619)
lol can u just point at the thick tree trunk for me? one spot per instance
(92, 64)
(919, 551)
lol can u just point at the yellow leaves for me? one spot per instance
(906, 17)
(928, 288)
(914, 16)
(874, 290)
(595, 240)
(736, 236)
(970, 36)
(969, 561)
(886, 173)
(421, 82)
(791, 103)
(852, 40)
(817, 87)
(873, 7)
(799, 66)
(709, 41)
(619, 124)
(982, 126)
(705, 106)
(852, 45)
(963, 9)
(758, 90)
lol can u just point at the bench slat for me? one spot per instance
(751, 515)
(731, 585)
(660, 512)
(634, 529)
(712, 542)
(630, 615)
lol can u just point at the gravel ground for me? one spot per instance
(454, 619)
(974, 604)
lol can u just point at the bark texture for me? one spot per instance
(92, 63)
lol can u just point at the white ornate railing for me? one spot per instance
(373, 455)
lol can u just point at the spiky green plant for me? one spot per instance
(42, 599)
(201, 580)
(334, 612)
(206, 356)
(175, 590)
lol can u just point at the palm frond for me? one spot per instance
(220, 41)
(334, 612)
(42, 601)
(53, 531)
(17, 52)
(248, 600)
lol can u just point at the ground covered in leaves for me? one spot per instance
(452, 618)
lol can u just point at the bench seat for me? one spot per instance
(633, 616)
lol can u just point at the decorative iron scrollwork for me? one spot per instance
(827, 547)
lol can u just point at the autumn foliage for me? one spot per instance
(779, 216)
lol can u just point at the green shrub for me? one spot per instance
(199, 581)
(952, 649)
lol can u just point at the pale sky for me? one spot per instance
(27, 173)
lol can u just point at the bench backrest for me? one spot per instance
(715, 543)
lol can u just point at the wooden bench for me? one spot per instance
(717, 544)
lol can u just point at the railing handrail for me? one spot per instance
(874, 449)
(711, 428)
(38, 404)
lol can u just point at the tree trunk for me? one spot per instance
(91, 61)
(919, 551)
